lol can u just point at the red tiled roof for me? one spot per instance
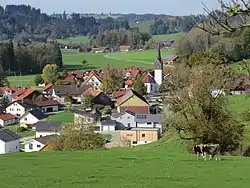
(25, 94)
(129, 82)
(48, 86)
(6, 117)
(148, 79)
(118, 94)
(92, 92)
(92, 73)
(136, 109)
(70, 77)
(78, 74)
(133, 71)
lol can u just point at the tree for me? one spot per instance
(139, 86)
(64, 73)
(87, 101)
(38, 79)
(163, 88)
(112, 81)
(3, 79)
(78, 136)
(199, 116)
(50, 73)
(3, 104)
(84, 62)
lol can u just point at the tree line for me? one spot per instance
(29, 58)
(24, 23)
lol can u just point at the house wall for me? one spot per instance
(151, 87)
(55, 108)
(32, 146)
(134, 101)
(158, 76)
(28, 119)
(127, 120)
(150, 125)
(42, 134)
(94, 82)
(16, 110)
(108, 128)
(7, 147)
(8, 122)
(139, 137)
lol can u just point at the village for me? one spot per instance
(125, 114)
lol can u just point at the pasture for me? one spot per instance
(65, 117)
(73, 61)
(161, 164)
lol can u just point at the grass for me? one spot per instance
(72, 61)
(65, 117)
(174, 36)
(23, 134)
(78, 39)
(143, 25)
(155, 165)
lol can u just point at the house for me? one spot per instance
(30, 94)
(134, 102)
(32, 117)
(150, 83)
(99, 97)
(45, 128)
(117, 94)
(132, 72)
(124, 48)
(62, 91)
(7, 119)
(171, 59)
(48, 106)
(108, 125)
(46, 88)
(127, 119)
(9, 141)
(93, 80)
(38, 144)
(139, 136)
(18, 108)
(129, 83)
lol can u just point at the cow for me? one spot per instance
(211, 150)
(197, 149)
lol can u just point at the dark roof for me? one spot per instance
(7, 135)
(64, 90)
(108, 122)
(47, 126)
(82, 112)
(38, 114)
(116, 115)
(47, 103)
(45, 140)
(27, 104)
(142, 118)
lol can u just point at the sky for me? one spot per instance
(170, 7)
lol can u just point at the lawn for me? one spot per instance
(158, 165)
(65, 117)
(143, 25)
(73, 61)
(78, 39)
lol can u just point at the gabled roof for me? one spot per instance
(7, 135)
(128, 95)
(148, 79)
(63, 90)
(47, 126)
(47, 103)
(136, 109)
(27, 104)
(36, 113)
(6, 117)
(120, 93)
(90, 75)
(93, 92)
(48, 86)
(25, 94)
(82, 112)
(46, 139)
(122, 113)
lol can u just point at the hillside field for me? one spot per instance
(143, 25)
(156, 165)
(73, 61)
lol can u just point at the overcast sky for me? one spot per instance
(172, 7)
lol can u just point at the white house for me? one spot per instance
(32, 117)
(9, 141)
(37, 144)
(7, 119)
(108, 125)
(18, 108)
(94, 80)
(46, 128)
(150, 84)
(124, 119)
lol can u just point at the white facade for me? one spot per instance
(8, 147)
(95, 82)
(43, 134)
(108, 128)
(16, 110)
(151, 87)
(28, 119)
(149, 125)
(140, 143)
(33, 145)
(7, 122)
(158, 76)
(127, 120)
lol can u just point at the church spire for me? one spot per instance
(158, 49)
(158, 62)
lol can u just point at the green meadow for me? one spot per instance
(72, 60)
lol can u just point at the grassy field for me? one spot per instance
(72, 61)
(65, 117)
(143, 25)
(158, 165)
(79, 39)
(174, 36)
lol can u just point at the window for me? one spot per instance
(30, 146)
(146, 142)
(128, 117)
(143, 135)
(141, 116)
(38, 146)
(25, 119)
(134, 142)
(128, 124)
(129, 134)
(148, 123)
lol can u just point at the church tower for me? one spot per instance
(158, 73)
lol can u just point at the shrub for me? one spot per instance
(21, 129)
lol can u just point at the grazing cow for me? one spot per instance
(197, 149)
(212, 150)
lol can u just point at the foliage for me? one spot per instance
(87, 100)
(77, 136)
(50, 73)
(111, 81)
(139, 86)
(21, 129)
(38, 79)
(3, 79)
(163, 88)
(84, 62)
(3, 104)
(199, 116)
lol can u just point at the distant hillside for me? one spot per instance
(142, 25)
